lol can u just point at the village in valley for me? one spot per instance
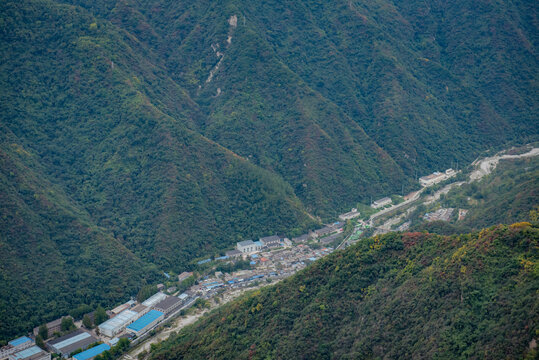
(251, 264)
(114, 333)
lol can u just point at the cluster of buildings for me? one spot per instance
(134, 319)
(436, 177)
(268, 242)
(443, 214)
(23, 348)
(128, 320)
(270, 264)
(324, 235)
(270, 257)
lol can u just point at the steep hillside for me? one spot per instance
(411, 295)
(169, 193)
(177, 128)
(53, 256)
(94, 136)
(313, 90)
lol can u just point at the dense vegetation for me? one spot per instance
(412, 295)
(137, 135)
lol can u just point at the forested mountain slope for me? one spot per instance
(178, 128)
(291, 84)
(79, 126)
(53, 256)
(412, 295)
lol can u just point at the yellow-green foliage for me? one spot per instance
(473, 294)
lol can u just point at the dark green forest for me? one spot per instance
(411, 295)
(139, 136)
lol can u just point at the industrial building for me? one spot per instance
(328, 229)
(32, 353)
(140, 309)
(271, 241)
(301, 239)
(381, 202)
(432, 179)
(154, 299)
(14, 346)
(350, 215)
(122, 307)
(67, 344)
(91, 353)
(113, 326)
(249, 246)
(146, 322)
(169, 305)
(233, 253)
(52, 327)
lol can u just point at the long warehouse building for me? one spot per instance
(32, 353)
(91, 353)
(67, 344)
(169, 305)
(145, 322)
(113, 326)
(154, 299)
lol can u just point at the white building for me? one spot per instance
(249, 246)
(113, 326)
(381, 202)
(349, 215)
(432, 179)
(154, 299)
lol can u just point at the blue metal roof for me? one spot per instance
(20, 340)
(90, 353)
(203, 261)
(145, 320)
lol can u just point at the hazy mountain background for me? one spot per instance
(137, 136)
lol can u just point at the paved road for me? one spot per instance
(395, 207)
